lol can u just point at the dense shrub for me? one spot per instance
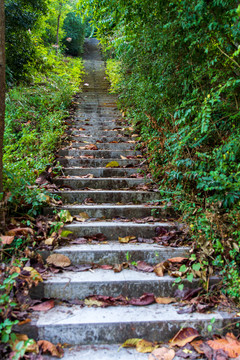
(180, 70)
(34, 126)
(74, 34)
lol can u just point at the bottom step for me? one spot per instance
(102, 352)
(84, 326)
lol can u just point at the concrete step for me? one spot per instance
(99, 172)
(100, 133)
(81, 326)
(113, 230)
(104, 146)
(99, 183)
(106, 138)
(70, 285)
(116, 253)
(101, 352)
(97, 162)
(97, 125)
(108, 154)
(108, 196)
(110, 211)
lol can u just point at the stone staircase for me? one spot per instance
(111, 193)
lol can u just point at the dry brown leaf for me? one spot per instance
(184, 336)
(58, 260)
(126, 239)
(6, 240)
(144, 346)
(165, 300)
(123, 157)
(162, 353)
(20, 231)
(48, 347)
(230, 345)
(49, 241)
(159, 269)
(177, 259)
(44, 306)
(197, 345)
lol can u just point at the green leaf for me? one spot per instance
(196, 267)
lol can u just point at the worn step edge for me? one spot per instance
(78, 285)
(112, 230)
(99, 183)
(76, 326)
(116, 253)
(108, 196)
(110, 211)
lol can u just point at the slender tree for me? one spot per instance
(2, 102)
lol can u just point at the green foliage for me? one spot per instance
(5, 304)
(113, 71)
(21, 18)
(74, 30)
(34, 126)
(180, 83)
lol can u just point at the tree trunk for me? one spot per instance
(58, 27)
(2, 105)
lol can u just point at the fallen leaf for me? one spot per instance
(143, 266)
(177, 259)
(93, 302)
(20, 231)
(184, 336)
(165, 300)
(58, 260)
(6, 240)
(160, 268)
(230, 345)
(112, 164)
(117, 268)
(49, 241)
(130, 343)
(48, 347)
(34, 274)
(126, 239)
(197, 345)
(65, 216)
(144, 346)
(106, 267)
(44, 306)
(145, 299)
(162, 353)
(123, 157)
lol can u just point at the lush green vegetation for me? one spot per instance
(41, 83)
(179, 80)
(34, 126)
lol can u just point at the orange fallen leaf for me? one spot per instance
(6, 240)
(230, 345)
(24, 322)
(48, 347)
(44, 306)
(197, 345)
(165, 300)
(162, 353)
(20, 231)
(184, 336)
(177, 259)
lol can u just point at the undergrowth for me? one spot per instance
(34, 126)
(179, 83)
